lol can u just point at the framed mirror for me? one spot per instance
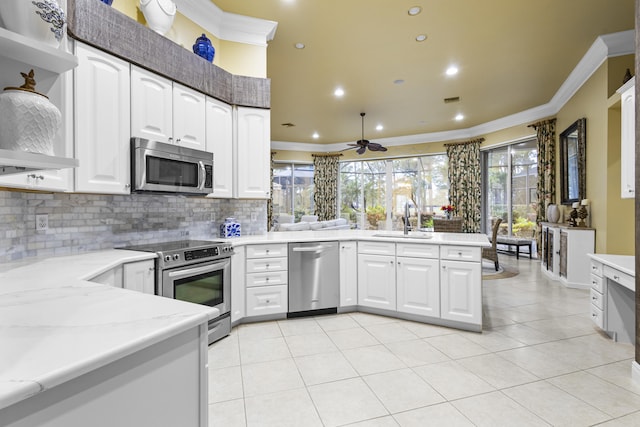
(573, 162)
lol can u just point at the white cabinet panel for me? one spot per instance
(219, 141)
(460, 253)
(261, 265)
(102, 122)
(348, 274)
(377, 281)
(253, 153)
(238, 284)
(268, 250)
(628, 139)
(417, 250)
(268, 278)
(418, 282)
(264, 300)
(377, 248)
(461, 291)
(140, 276)
(151, 105)
(189, 113)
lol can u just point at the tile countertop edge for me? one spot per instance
(67, 276)
(624, 263)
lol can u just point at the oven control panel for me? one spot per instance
(201, 253)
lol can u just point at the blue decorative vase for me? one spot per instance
(230, 228)
(107, 2)
(204, 48)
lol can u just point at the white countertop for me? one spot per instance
(56, 326)
(461, 239)
(623, 263)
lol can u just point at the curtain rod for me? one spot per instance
(541, 122)
(472, 141)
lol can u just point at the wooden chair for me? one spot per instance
(453, 225)
(492, 253)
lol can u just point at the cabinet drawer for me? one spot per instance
(596, 268)
(596, 283)
(624, 279)
(269, 250)
(377, 248)
(597, 299)
(460, 253)
(261, 265)
(417, 250)
(263, 300)
(267, 279)
(597, 316)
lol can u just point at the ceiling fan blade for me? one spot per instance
(348, 148)
(354, 145)
(362, 149)
(362, 142)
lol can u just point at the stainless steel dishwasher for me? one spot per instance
(314, 278)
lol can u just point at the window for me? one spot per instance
(373, 193)
(511, 176)
(293, 189)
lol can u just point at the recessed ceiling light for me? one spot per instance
(398, 81)
(299, 45)
(459, 117)
(415, 10)
(421, 37)
(452, 70)
(379, 127)
(339, 92)
(315, 135)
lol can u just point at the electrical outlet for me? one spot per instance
(42, 222)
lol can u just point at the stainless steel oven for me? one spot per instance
(197, 271)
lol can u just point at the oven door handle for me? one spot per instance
(198, 270)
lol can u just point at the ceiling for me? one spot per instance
(512, 55)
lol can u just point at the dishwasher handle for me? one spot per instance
(309, 248)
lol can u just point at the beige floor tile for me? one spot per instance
(387, 421)
(440, 415)
(494, 341)
(263, 350)
(373, 359)
(554, 405)
(304, 345)
(346, 401)
(259, 331)
(337, 322)
(323, 368)
(402, 390)
(417, 352)
(269, 377)
(302, 326)
(540, 364)
(452, 380)
(368, 319)
(292, 408)
(227, 414)
(497, 371)
(225, 353)
(424, 330)
(618, 373)
(352, 338)
(390, 332)
(495, 409)
(456, 346)
(610, 399)
(590, 355)
(524, 333)
(225, 384)
(632, 420)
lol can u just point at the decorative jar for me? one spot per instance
(553, 213)
(204, 48)
(28, 120)
(159, 14)
(108, 2)
(230, 228)
(41, 20)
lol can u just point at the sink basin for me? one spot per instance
(401, 235)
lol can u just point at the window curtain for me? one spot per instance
(270, 201)
(464, 182)
(325, 180)
(546, 188)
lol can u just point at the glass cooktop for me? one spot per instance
(175, 246)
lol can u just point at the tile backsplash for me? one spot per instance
(86, 222)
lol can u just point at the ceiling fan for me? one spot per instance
(362, 144)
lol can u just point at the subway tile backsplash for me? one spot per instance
(85, 222)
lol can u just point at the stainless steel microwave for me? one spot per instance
(167, 168)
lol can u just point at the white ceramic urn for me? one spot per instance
(41, 20)
(553, 213)
(159, 14)
(28, 120)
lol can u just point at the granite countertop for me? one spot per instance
(56, 325)
(623, 263)
(428, 237)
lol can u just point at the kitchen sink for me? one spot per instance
(411, 235)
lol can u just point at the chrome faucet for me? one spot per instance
(406, 219)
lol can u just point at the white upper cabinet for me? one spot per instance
(253, 153)
(102, 122)
(219, 137)
(628, 138)
(165, 111)
(151, 105)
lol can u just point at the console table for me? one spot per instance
(564, 253)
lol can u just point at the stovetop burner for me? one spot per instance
(175, 246)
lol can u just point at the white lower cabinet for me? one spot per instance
(266, 279)
(418, 283)
(140, 276)
(461, 291)
(377, 281)
(348, 274)
(262, 300)
(238, 276)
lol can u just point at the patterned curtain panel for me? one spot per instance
(546, 187)
(464, 182)
(270, 201)
(325, 180)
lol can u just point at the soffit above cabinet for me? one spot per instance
(108, 29)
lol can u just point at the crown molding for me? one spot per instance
(604, 47)
(228, 26)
